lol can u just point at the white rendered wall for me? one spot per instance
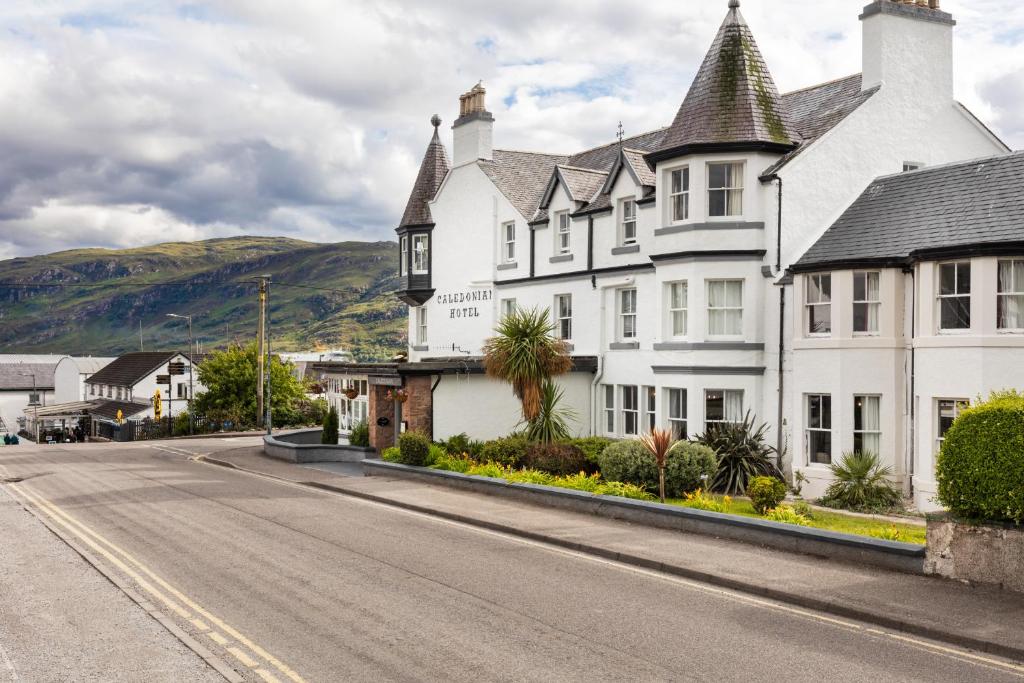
(14, 403)
(485, 408)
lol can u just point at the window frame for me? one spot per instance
(823, 301)
(563, 323)
(508, 251)
(940, 297)
(875, 432)
(671, 310)
(422, 256)
(725, 394)
(623, 314)
(724, 309)
(649, 409)
(624, 240)
(1017, 291)
(671, 418)
(507, 307)
(422, 328)
(625, 391)
(867, 303)
(810, 429)
(610, 414)
(742, 166)
(959, 405)
(563, 233)
(403, 258)
(683, 192)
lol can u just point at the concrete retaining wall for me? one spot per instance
(905, 557)
(983, 554)
(303, 446)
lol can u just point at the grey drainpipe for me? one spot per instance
(590, 242)
(782, 328)
(433, 388)
(533, 241)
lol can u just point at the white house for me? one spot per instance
(129, 384)
(70, 374)
(912, 307)
(25, 380)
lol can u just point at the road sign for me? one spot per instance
(120, 417)
(158, 405)
(176, 368)
(163, 379)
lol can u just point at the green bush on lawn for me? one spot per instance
(980, 468)
(766, 493)
(414, 449)
(690, 466)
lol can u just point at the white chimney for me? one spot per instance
(908, 46)
(474, 129)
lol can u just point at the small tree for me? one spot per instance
(658, 442)
(331, 423)
(552, 422)
(526, 354)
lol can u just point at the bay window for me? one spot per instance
(723, 405)
(725, 190)
(678, 295)
(420, 254)
(819, 429)
(403, 257)
(650, 409)
(609, 409)
(677, 413)
(867, 426)
(679, 196)
(630, 411)
(819, 304)
(1010, 297)
(725, 308)
(955, 296)
(866, 302)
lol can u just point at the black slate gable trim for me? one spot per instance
(719, 147)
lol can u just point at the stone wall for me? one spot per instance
(983, 554)
(381, 436)
(418, 411)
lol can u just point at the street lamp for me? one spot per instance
(191, 373)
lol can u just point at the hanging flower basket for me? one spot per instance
(351, 394)
(397, 395)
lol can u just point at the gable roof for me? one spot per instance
(957, 208)
(733, 99)
(581, 184)
(522, 177)
(132, 368)
(18, 376)
(433, 170)
(816, 110)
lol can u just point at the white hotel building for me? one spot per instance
(677, 263)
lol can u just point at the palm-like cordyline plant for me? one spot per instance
(526, 354)
(658, 443)
(552, 422)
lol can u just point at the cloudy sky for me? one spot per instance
(125, 123)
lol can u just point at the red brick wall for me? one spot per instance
(381, 437)
(417, 412)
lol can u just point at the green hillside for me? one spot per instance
(108, 293)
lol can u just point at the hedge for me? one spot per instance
(980, 468)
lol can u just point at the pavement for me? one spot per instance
(284, 581)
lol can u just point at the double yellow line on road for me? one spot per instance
(166, 594)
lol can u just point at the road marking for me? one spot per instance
(200, 624)
(218, 638)
(919, 643)
(243, 658)
(267, 676)
(84, 533)
(173, 450)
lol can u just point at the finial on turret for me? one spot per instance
(734, 4)
(435, 120)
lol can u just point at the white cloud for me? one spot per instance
(127, 122)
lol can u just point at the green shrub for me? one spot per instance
(701, 500)
(360, 435)
(531, 477)
(461, 444)
(434, 454)
(630, 463)
(980, 468)
(330, 433)
(508, 451)
(488, 469)
(690, 466)
(861, 484)
(617, 488)
(804, 509)
(766, 493)
(556, 458)
(592, 447)
(786, 514)
(742, 454)
(393, 454)
(415, 449)
(450, 462)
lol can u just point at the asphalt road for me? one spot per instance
(287, 583)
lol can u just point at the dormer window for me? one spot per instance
(679, 196)
(725, 190)
(627, 229)
(420, 254)
(562, 234)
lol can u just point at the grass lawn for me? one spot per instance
(837, 521)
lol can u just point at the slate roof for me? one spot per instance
(132, 368)
(108, 409)
(522, 177)
(18, 376)
(733, 98)
(433, 170)
(956, 207)
(582, 184)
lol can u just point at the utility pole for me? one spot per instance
(270, 364)
(260, 336)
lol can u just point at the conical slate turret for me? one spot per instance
(433, 170)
